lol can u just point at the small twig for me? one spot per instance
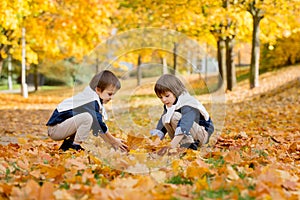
(275, 140)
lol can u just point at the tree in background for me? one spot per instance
(59, 30)
(55, 30)
(223, 18)
(279, 17)
(285, 52)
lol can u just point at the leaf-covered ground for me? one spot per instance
(257, 155)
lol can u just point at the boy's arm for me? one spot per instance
(175, 141)
(114, 142)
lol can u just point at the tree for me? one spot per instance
(54, 29)
(222, 18)
(279, 16)
(257, 16)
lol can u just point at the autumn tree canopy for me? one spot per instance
(57, 30)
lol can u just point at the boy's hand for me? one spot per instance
(170, 151)
(119, 144)
(163, 151)
(156, 142)
(175, 141)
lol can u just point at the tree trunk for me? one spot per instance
(36, 78)
(222, 63)
(24, 87)
(174, 58)
(255, 51)
(164, 65)
(9, 78)
(139, 71)
(231, 76)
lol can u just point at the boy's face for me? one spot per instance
(168, 98)
(107, 94)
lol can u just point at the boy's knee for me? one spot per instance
(87, 118)
(174, 119)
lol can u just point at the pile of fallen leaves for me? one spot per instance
(257, 156)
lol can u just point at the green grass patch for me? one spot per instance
(64, 185)
(223, 193)
(216, 162)
(214, 194)
(15, 87)
(177, 180)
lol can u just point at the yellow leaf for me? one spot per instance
(159, 176)
(141, 157)
(22, 140)
(146, 183)
(134, 141)
(52, 172)
(195, 171)
(232, 175)
(201, 184)
(176, 165)
(124, 183)
(190, 155)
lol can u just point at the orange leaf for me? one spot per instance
(52, 172)
(5, 189)
(29, 191)
(233, 157)
(146, 183)
(134, 141)
(46, 191)
(196, 171)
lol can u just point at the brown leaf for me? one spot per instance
(294, 147)
(29, 191)
(290, 185)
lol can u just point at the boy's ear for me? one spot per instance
(97, 89)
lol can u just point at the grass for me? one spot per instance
(223, 193)
(5, 87)
(179, 180)
(216, 162)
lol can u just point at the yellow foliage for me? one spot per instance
(201, 184)
(177, 166)
(197, 169)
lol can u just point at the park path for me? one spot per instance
(267, 82)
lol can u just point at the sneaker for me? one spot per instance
(66, 144)
(193, 146)
(76, 147)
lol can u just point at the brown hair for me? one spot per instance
(169, 83)
(105, 79)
